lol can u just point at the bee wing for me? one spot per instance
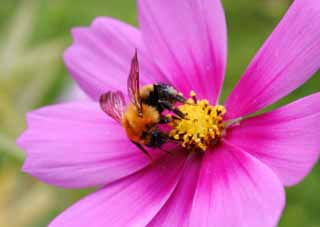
(113, 104)
(133, 83)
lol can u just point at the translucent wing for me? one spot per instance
(113, 104)
(133, 84)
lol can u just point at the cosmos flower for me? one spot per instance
(239, 181)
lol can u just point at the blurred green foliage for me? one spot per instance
(33, 36)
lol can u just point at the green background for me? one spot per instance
(27, 202)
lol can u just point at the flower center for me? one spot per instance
(202, 125)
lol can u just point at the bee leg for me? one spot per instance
(143, 150)
(166, 151)
(168, 106)
(164, 119)
(174, 141)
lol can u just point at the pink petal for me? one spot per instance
(188, 40)
(99, 59)
(235, 189)
(76, 145)
(133, 201)
(177, 209)
(286, 139)
(288, 58)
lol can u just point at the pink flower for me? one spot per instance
(239, 182)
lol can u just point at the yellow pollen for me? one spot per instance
(202, 125)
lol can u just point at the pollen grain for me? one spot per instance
(202, 125)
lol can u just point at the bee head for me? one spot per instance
(168, 92)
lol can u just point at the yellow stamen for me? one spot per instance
(202, 125)
(193, 94)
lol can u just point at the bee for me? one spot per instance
(142, 116)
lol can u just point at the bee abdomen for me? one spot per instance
(157, 139)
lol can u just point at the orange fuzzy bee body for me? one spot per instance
(138, 128)
(141, 117)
